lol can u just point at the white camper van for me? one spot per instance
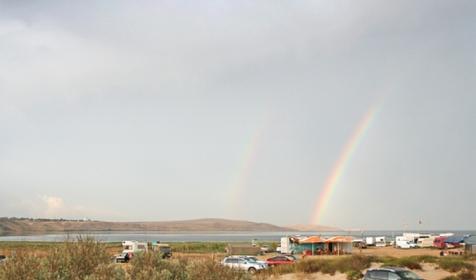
(404, 243)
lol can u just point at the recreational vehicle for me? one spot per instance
(425, 241)
(380, 241)
(133, 247)
(370, 241)
(439, 242)
(288, 245)
(404, 243)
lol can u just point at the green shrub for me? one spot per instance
(84, 258)
(199, 247)
(348, 264)
(354, 275)
(427, 259)
(150, 265)
(22, 266)
(211, 270)
(77, 259)
(408, 262)
(455, 264)
(465, 275)
(309, 265)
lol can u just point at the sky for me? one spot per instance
(171, 110)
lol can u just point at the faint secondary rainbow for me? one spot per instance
(245, 166)
(340, 165)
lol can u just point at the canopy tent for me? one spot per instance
(455, 239)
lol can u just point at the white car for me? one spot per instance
(252, 259)
(238, 262)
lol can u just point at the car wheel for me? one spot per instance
(252, 270)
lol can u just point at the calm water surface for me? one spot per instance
(206, 236)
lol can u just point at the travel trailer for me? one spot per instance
(133, 247)
(129, 248)
(411, 236)
(425, 241)
(370, 241)
(380, 241)
(288, 244)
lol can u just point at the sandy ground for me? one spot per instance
(429, 271)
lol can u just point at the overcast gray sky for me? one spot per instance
(163, 110)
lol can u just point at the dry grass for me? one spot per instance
(88, 259)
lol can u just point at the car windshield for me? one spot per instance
(408, 275)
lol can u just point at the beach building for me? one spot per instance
(470, 245)
(316, 245)
(312, 244)
(339, 245)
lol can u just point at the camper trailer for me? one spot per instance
(129, 248)
(380, 241)
(288, 245)
(370, 241)
(134, 247)
(411, 236)
(425, 241)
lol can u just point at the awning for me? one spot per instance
(312, 239)
(339, 239)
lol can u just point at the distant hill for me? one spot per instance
(310, 228)
(29, 226)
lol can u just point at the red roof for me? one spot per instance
(312, 239)
(339, 239)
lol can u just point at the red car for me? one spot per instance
(278, 260)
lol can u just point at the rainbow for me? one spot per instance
(240, 180)
(340, 165)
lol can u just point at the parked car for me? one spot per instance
(242, 263)
(439, 242)
(252, 259)
(391, 273)
(164, 249)
(2, 258)
(279, 260)
(290, 256)
(124, 257)
(266, 249)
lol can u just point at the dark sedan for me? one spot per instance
(279, 260)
